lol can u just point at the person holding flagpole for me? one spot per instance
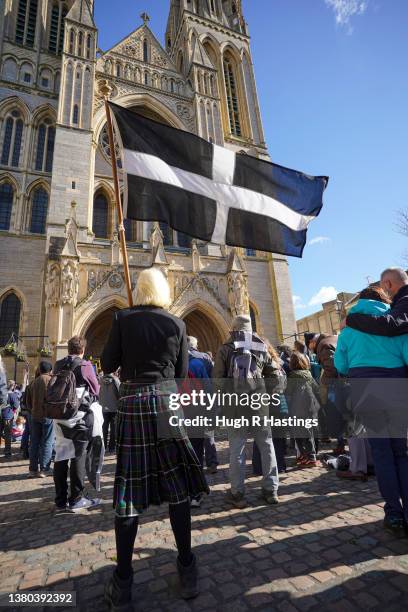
(150, 347)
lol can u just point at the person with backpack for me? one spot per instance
(42, 428)
(244, 360)
(109, 398)
(6, 412)
(201, 366)
(72, 389)
(275, 382)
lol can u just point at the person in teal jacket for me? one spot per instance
(356, 349)
(369, 357)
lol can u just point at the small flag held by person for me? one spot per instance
(212, 193)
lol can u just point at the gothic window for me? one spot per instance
(12, 137)
(100, 216)
(104, 144)
(6, 205)
(167, 234)
(39, 210)
(146, 78)
(57, 23)
(88, 46)
(232, 96)
(75, 115)
(145, 51)
(212, 4)
(250, 252)
(81, 44)
(118, 70)
(72, 41)
(10, 314)
(26, 22)
(130, 230)
(184, 241)
(45, 146)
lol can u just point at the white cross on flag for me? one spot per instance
(212, 193)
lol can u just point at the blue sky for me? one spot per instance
(333, 90)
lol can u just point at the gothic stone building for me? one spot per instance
(60, 262)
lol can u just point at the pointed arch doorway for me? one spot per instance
(98, 331)
(207, 332)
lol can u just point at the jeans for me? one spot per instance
(210, 450)
(109, 423)
(5, 432)
(25, 440)
(76, 476)
(280, 452)
(42, 442)
(390, 456)
(263, 438)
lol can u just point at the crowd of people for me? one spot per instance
(69, 412)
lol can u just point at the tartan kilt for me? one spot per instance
(150, 469)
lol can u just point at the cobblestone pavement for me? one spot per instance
(321, 548)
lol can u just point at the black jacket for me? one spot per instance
(393, 324)
(149, 344)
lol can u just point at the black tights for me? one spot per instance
(126, 531)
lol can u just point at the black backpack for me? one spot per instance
(61, 401)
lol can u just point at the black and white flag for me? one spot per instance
(210, 192)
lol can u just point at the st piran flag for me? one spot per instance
(211, 193)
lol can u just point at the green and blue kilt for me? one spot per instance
(153, 465)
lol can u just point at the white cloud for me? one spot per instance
(325, 294)
(298, 302)
(345, 10)
(319, 240)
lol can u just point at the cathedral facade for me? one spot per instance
(61, 266)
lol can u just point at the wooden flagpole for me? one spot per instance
(105, 90)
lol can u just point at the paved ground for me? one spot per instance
(322, 548)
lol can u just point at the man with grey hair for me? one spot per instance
(394, 281)
(243, 344)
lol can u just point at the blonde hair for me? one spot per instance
(152, 289)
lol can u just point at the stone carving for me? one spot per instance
(92, 281)
(183, 111)
(115, 281)
(53, 286)
(69, 283)
(238, 291)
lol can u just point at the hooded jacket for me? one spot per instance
(356, 349)
(325, 348)
(394, 322)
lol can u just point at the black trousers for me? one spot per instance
(109, 423)
(76, 476)
(5, 432)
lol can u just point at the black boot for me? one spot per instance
(188, 579)
(118, 594)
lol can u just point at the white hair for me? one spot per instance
(192, 342)
(152, 289)
(2, 371)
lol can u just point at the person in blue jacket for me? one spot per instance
(367, 356)
(6, 412)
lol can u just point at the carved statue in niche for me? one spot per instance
(53, 286)
(239, 294)
(92, 282)
(177, 285)
(70, 284)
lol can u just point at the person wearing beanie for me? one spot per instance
(244, 359)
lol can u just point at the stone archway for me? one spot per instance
(205, 330)
(97, 332)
